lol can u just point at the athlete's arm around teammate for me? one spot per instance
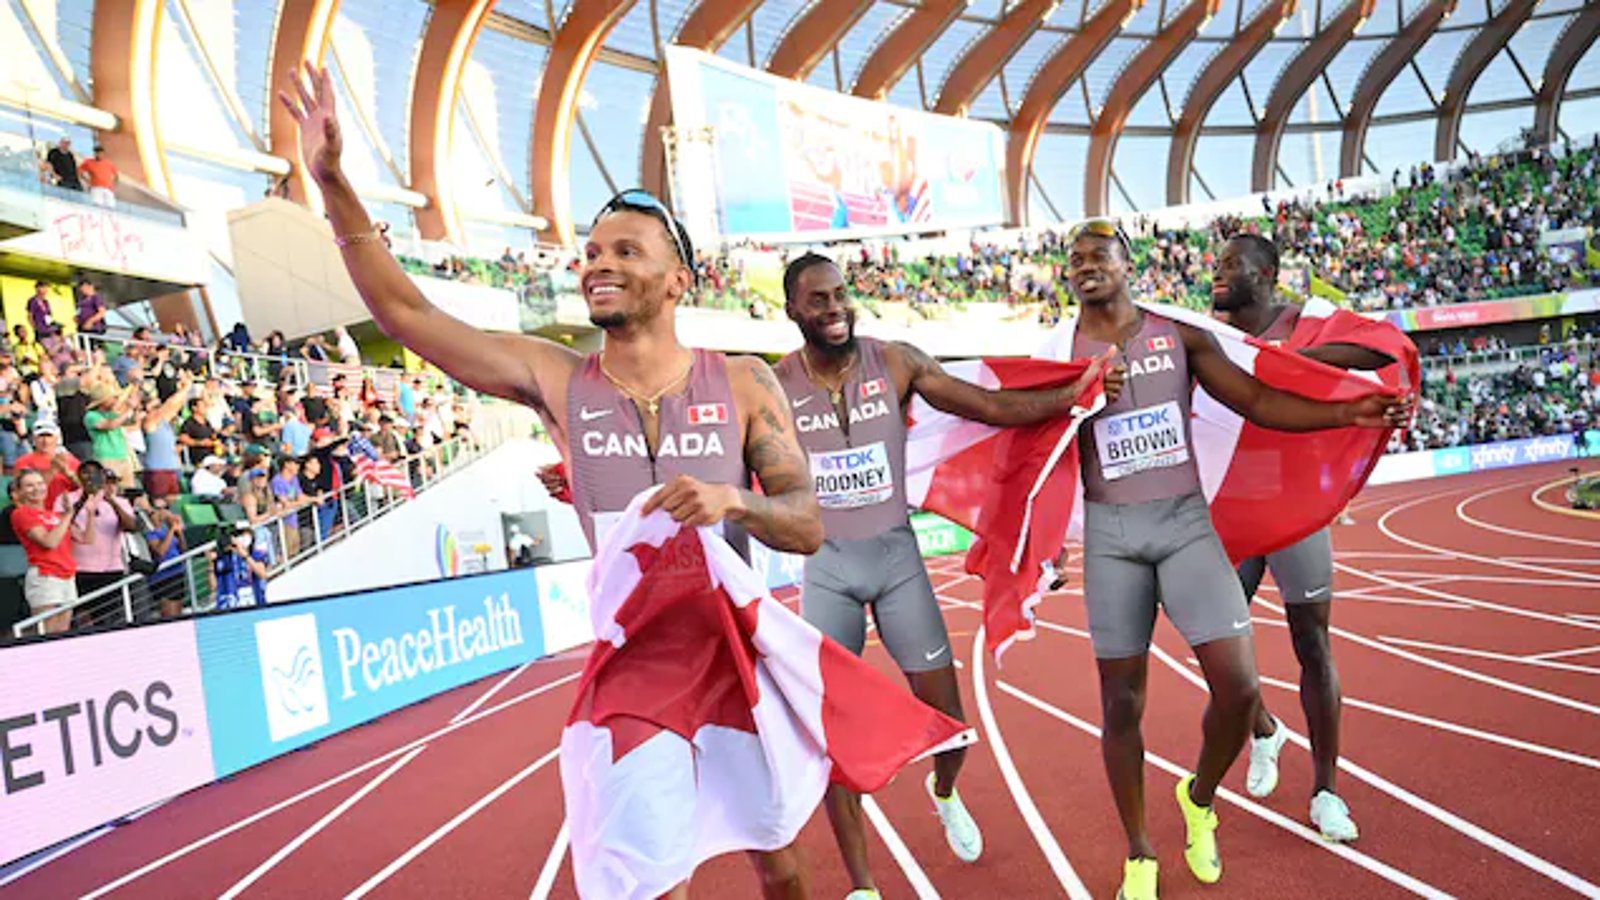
(915, 372)
(516, 367)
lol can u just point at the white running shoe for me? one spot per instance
(1332, 818)
(962, 834)
(863, 894)
(1263, 775)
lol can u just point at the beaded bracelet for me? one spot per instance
(361, 237)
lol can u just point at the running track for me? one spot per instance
(1468, 640)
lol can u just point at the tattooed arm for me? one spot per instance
(786, 515)
(915, 372)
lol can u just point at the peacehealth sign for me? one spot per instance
(94, 727)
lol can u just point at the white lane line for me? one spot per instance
(1559, 654)
(1461, 513)
(1359, 597)
(1428, 808)
(1470, 601)
(1557, 560)
(898, 850)
(455, 822)
(79, 841)
(1387, 554)
(1486, 579)
(484, 697)
(1070, 882)
(1488, 654)
(281, 805)
(1468, 674)
(1584, 617)
(1343, 851)
(316, 828)
(552, 864)
(1420, 582)
(1383, 526)
(1452, 727)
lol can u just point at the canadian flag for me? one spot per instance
(1018, 489)
(1159, 343)
(872, 388)
(710, 717)
(708, 414)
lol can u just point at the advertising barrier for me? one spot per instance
(96, 727)
(938, 536)
(1493, 312)
(1398, 467)
(281, 677)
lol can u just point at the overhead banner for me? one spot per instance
(757, 156)
(1492, 312)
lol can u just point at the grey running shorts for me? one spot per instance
(885, 573)
(1140, 555)
(1303, 572)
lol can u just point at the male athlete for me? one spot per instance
(645, 410)
(850, 396)
(1242, 294)
(1148, 535)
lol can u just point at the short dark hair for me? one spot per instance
(796, 268)
(1261, 250)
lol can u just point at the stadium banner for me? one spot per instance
(757, 156)
(1493, 312)
(283, 676)
(1422, 464)
(93, 237)
(938, 536)
(564, 604)
(95, 727)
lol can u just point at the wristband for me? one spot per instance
(360, 237)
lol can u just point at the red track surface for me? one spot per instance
(1470, 775)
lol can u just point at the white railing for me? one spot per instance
(307, 531)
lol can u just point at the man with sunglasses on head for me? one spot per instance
(644, 411)
(850, 396)
(1243, 291)
(1148, 539)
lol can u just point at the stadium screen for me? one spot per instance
(758, 156)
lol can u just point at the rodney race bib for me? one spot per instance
(1148, 438)
(854, 477)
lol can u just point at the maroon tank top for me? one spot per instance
(611, 460)
(1140, 448)
(858, 465)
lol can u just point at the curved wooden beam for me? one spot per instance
(1223, 67)
(1469, 65)
(1569, 50)
(1380, 73)
(1296, 77)
(1136, 77)
(809, 39)
(305, 29)
(985, 57)
(572, 51)
(1049, 84)
(441, 61)
(122, 62)
(710, 26)
(903, 46)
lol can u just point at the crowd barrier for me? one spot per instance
(1398, 467)
(131, 717)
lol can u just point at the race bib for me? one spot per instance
(853, 478)
(1148, 438)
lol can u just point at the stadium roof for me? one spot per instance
(471, 115)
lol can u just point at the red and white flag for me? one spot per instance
(710, 718)
(1267, 489)
(708, 414)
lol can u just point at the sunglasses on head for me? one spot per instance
(642, 201)
(1106, 228)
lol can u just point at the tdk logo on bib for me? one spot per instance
(291, 675)
(1148, 438)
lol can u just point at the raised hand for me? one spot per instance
(310, 103)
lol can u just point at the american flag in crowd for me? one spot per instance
(372, 468)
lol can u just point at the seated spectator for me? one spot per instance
(27, 352)
(208, 480)
(240, 569)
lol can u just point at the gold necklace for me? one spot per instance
(652, 403)
(835, 390)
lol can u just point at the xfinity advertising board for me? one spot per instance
(761, 156)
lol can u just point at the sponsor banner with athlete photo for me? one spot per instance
(783, 160)
(281, 677)
(95, 727)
